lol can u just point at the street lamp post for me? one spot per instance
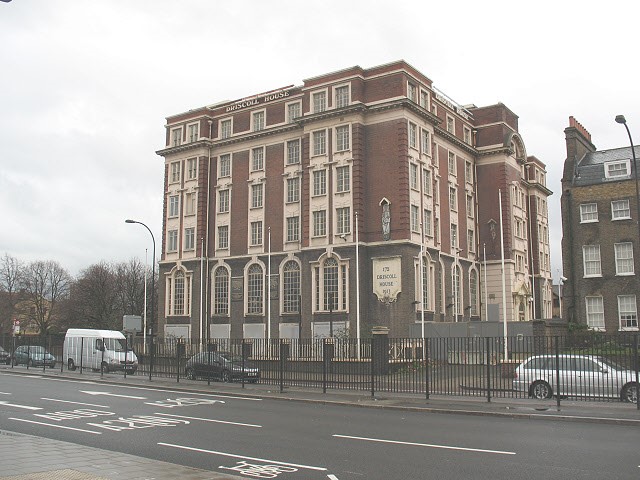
(623, 121)
(153, 283)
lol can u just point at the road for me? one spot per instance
(266, 438)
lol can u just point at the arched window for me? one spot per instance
(179, 293)
(473, 292)
(291, 287)
(330, 285)
(255, 290)
(221, 291)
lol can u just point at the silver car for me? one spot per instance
(578, 375)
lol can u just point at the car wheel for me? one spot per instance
(629, 393)
(226, 376)
(191, 375)
(71, 366)
(541, 390)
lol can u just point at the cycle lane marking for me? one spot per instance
(233, 455)
(55, 426)
(76, 403)
(427, 445)
(210, 420)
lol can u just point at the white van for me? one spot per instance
(92, 348)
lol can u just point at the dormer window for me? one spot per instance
(617, 169)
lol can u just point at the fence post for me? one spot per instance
(179, 350)
(557, 347)
(373, 373)
(126, 347)
(426, 367)
(13, 349)
(488, 347)
(81, 354)
(282, 358)
(102, 361)
(152, 351)
(636, 361)
(324, 365)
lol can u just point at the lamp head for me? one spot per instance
(128, 220)
(621, 119)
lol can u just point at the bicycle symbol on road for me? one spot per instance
(260, 471)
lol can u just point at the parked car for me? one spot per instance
(33, 356)
(578, 375)
(5, 357)
(223, 366)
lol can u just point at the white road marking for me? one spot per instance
(4, 393)
(332, 477)
(112, 395)
(26, 407)
(76, 403)
(447, 447)
(201, 450)
(210, 420)
(56, 426)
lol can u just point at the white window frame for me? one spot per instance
(224, 167)
(454, 236)
(223, 237)
(319, 223)
(343, 138)
(224, 200)
(293, 228)
(172, 240)
(627, 313)
(190, 203)
(620, 210)
(343, 220)
(617, 169)
(343, 179)
(466, 133)
(413, 176)
(624, 258)
(174, 206)
(590, 259)
(427, 187)
(293, 152)
(291, 118)
(176, 137)
(225, 128)
(192, 168)
(424, 99)
(595, 312)
(453, 198)
(341, 101)
(319, 179)
(450, 124)
(174, 175)
(425, 141)
(415, 218)
(258, 120)
(452, 167)
(257, 195)
(257, 159)
(319, 101)
(292, 190)
(413, 135)
(587, 212)
(255, 233)
(189, 238)
(319, 147)
(428, 222)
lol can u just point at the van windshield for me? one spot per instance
(114, 344)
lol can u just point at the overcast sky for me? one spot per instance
(85, 87)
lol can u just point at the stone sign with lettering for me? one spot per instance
(387, 278)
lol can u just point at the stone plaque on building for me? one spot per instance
(387, 278)
(236, 289)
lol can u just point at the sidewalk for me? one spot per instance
(30, 458)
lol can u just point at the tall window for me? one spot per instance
(190, 203)
(473, 292)
(624, 258)
(595, 312)
(319, 223)
(426, 144)
(342, 138)
(591, 260)
(293, 190)
(466, 132)
(330, 284)
(221, 291)
(627, 312)
(470, 208)
(471, 240)
(192, 168)
(454, 236)
(256, 233)
(319, 102)
(256, 195)
(453, 199)
(293, 152)
(257, 159)
(468, 171)
(426, 176)
(225, 128)
(175, 172)
(343, 181)
(451, 126)
(255, 290)
(189, 238)
(291, 287)
(293, 229)
(620, 210)
(452, 163)
(424, 99)
(176, 137)
(343, 216)
(413, 176)
(428, 223)
(415, 218)
(320, 142)
(192, 132)
(179, 293)
(174, 206)
(412, 92)
(258, 121)
(172, 241)
(223, 236)
(223, 201)
(319, 182)
(225, 165)
(342, 96)
(413, 135)
(293, 112)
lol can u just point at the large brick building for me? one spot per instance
(270, 199)
(599, 234)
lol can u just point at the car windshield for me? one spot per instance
(611, 364)
(230, 357)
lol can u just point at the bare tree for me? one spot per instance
(11, 273)
(94, 297)
(130, 285)
(46, 284)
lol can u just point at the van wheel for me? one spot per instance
(541, 390)
(105, 367)
(71, 366)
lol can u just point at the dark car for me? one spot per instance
(5, 357)
(33, 356)
(223, 366)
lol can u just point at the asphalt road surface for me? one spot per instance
(262, 438)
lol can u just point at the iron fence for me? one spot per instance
(590, 366)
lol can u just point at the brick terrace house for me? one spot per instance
(599, 234)
(314, 209)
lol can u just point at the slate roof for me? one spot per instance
(590, 169)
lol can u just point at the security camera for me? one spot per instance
(564, 279)
(343, 236)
